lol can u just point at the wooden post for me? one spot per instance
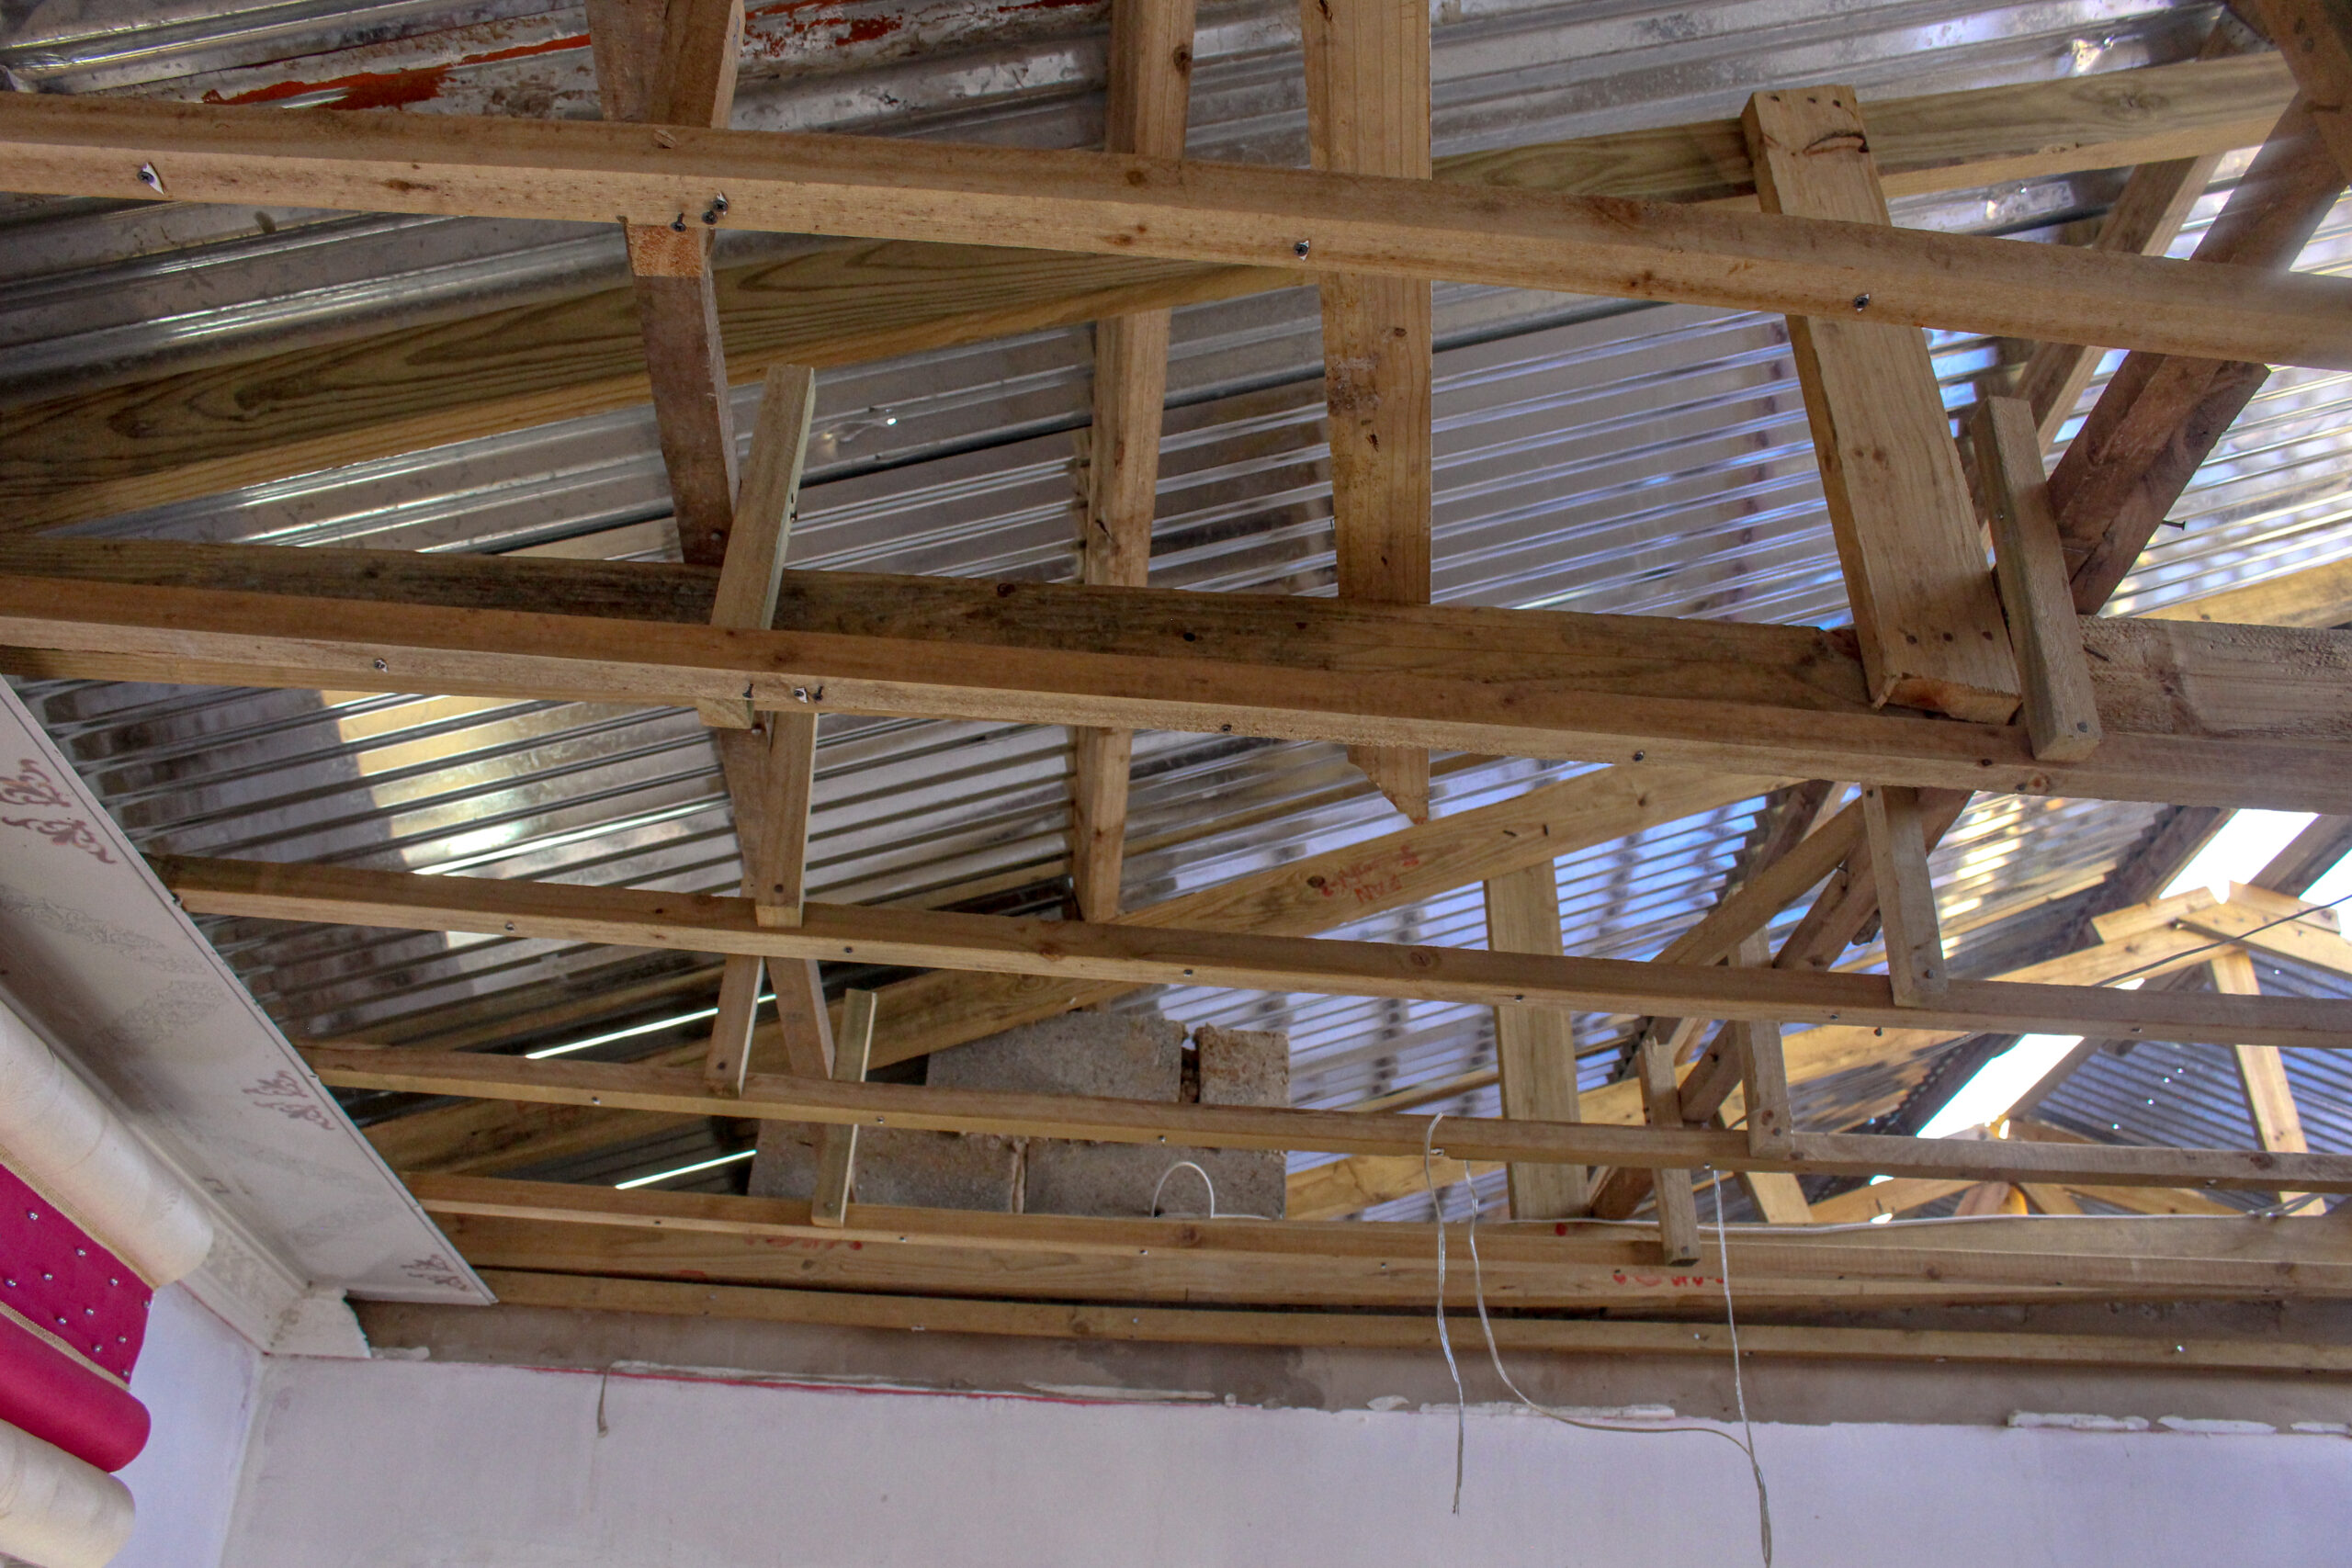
(2061, 713)
(2262, 1072)
(728, 1054)
(1764, 1075)
(1907, 898)
(1368, 113)
(1924, 603)
(1150, 89)
(674, 64)
(1536, 1047)
(837, 1157)
(1678, 1211)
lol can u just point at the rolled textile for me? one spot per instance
(49, 1393)
(55, 1510)
(63, 1139)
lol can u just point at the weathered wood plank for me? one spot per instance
(2060, 710)
(1923, 604)
(1253, 960)
(204, 429)
(1535, 1048)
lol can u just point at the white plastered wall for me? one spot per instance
(417, 1465)
(200, 1380)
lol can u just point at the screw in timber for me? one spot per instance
(1300, 249)
(381, 665)
(1861, 301)
(150, 178)
(678, 224)
(716, 209)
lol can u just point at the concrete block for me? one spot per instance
(1101, 1054)
(895, 1166)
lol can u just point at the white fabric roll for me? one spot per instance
(61, 1137)
(55, 1511)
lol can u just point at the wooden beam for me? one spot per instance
(2314, 38)
(1542, 683)
(674, 64)
(197, 432)
(1764, 1071)
(2061, 711)
(936, 1012)
(2317, 851)
(1535, 1048)
(726, 1055)
(1907, 894)
(783, 1098)
(1072, 950)
(1398, 1331)
(2161, 415)
(837, 1155)
(2262, 1073)
(1115, 204)
(2146, 216)
(1151, 77)
(1924, 605)
(1677, 1215)
(1777, 1197)
(1368, 113)
(719, 1238)
(752, 573)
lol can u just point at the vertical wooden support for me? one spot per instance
(763, 513)
(1368, 113)
(769, 760)
(1907, 898)
(1924, 603)
(837, 1157)
(2262, 1072)
(675, 63)
(728, 1054)
(1677, 1210)
(1150, 96)
(1534, 1047)
(1764, 1071)
(2061, 715)
(803, 1019)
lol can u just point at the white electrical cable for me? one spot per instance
(1739, 1384)
(1494, 1353)
(1189, 1165)
(1444, 1337)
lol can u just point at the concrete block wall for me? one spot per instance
(1109, 1055)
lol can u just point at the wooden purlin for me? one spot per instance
(2193, 713)
(1197, 211)
(194, 433)
(1075, 951)
(784, 1098)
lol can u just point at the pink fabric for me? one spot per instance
(58, 1278)
(63, 1402)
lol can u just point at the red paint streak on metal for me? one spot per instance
(392, 89)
